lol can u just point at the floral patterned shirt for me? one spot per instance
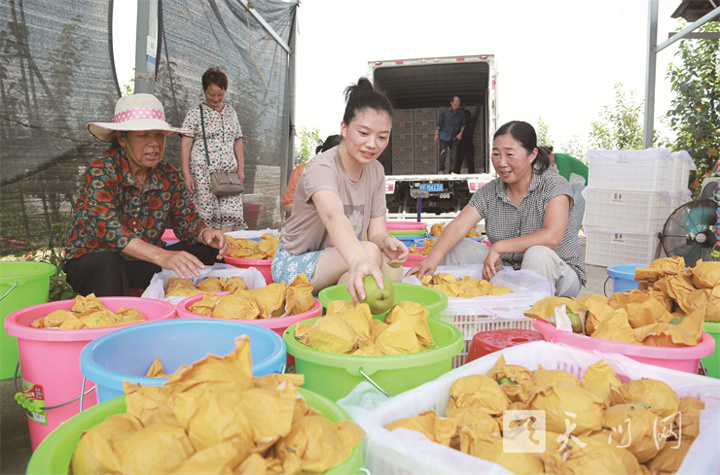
(111, 210)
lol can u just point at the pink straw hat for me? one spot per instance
(133, 113)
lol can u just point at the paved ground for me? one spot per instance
(14, 436)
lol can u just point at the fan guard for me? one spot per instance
(689, 231)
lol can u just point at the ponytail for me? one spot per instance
(364, 96)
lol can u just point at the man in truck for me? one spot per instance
(449, 130)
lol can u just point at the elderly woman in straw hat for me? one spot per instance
(128, 196)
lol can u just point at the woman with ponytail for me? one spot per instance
(337, 232)
(529, 216)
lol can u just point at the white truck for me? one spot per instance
(419, 89)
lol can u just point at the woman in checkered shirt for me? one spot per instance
(528, 218)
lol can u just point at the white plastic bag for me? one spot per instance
(158, 284)
(405, 452)
(528, 287)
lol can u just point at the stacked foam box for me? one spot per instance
(403, 142)
(425, 121)
(629, 197)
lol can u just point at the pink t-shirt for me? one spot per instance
(362, 200)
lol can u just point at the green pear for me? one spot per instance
(379, 300)
(575, 321)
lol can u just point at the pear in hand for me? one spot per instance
(379, 300)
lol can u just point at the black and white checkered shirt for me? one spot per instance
(504, 219)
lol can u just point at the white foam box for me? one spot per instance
(609, 247)
(405, 451)
(627, 209)
(637, 170)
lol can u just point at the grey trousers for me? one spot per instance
(540, 259)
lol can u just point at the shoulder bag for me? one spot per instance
(221, 183)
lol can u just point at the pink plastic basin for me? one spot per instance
(50, 358)
(278, 325)
(415, 259)
(262, 265)
(684, 358)
(406, 226)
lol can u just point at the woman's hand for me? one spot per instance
(182, 263)
(422, 269)
(190, 183)
(241, 175)
(395, 251)
(491, 266)
(356, 274)
(215, 238)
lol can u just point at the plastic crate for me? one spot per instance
(425, 167)
(682, 165)
(422, 153)
(635, 170)
(608, 247)
(403, 115)
(402, 153)
(402, 140)
(400, 167)
(628, 210)
(469, 325)
(424, 140)
(420, 115)
(402, 127)
(425, 126)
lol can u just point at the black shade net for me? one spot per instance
(57, 74)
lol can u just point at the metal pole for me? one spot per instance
(146, 45)
(684, 33)
(650, 74)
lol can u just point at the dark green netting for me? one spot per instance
(56, 74)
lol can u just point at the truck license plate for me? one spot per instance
(436, 187)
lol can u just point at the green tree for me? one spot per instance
(305, 147)
(695, 109)
(620, 126)
(543, 133)
(574, 148)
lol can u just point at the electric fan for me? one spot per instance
(689, 232)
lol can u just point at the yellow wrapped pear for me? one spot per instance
(476, 418)
(565, 404)
(669, 459)
(94, 452)
(270, 299)
(591, 455)
(544, 376)
(331, 334)
(211, 284)
(600, 379)
(688, 421)
(234, 283)
(478, 391)
(399, 338)
(490, 447)
(637, 429)
(206, 305)
(657, 395)
(417, 314)
(315, 444)
(299, 297)
(437, 429)
(235, 306)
